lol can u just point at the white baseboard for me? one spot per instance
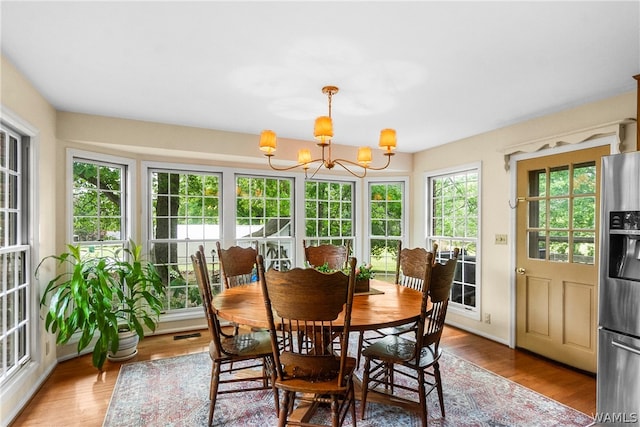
(479, 333)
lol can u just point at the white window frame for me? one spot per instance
(128, 189)
(22, 378)
(189, 313)
(351, 238)
(404, 237)
(466, 311)
(300, 214)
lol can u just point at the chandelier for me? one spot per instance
(323, 132)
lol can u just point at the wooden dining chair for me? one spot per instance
(416, 359)
(411, 267)
(237, 264)
(252, 348)
(318, 369)
(237, 267)
(334, 256)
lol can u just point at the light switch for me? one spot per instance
(501, 239)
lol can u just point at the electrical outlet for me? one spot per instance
(501, 239)
(46, 348)
(487, 318)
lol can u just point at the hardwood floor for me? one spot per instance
(76, 395)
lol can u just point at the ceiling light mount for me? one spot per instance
(323, 132)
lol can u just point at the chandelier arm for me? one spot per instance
(297, 165)
(385, 166)
(314, 172)
(342, 162)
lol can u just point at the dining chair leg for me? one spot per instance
(365, 387)
(335, 411)
(213, 389)
(352, 398)
(284, 409)
(422, 397)
(265, 374)
(269, 365)
(360, 344)
(438, 378)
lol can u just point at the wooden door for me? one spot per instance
(557, 255)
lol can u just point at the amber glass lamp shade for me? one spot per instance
(304, 156)
(268, 141)
(323, 129)
(364, 156)
(388, 139)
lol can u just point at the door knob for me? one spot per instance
(520, 270)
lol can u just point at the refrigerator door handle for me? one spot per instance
(625, 347)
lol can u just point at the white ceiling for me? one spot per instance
(435, 71)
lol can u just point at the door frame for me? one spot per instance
(613, 141)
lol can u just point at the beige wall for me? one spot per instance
(154, 141)
(488, 149)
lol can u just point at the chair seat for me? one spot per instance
(398, 330)
(394, 349)
(327, 385)
(250, 345)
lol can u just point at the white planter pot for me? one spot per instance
(128, 347)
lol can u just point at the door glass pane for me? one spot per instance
(537, 244)
(584, 212)
(559, 246)
(537, 213)
(584, 178)
(584, 247)
(537, 183)
(559, 181)
(559, 213)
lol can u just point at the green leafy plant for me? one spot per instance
(364, 272)
(325, 268)
(101, 295)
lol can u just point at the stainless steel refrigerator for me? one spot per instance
(618, 376)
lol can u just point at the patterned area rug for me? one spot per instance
(175, 391)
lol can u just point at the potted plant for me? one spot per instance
(364, 273)
(104, 295)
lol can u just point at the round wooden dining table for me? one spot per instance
(385, 305)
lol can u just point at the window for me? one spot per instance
(386, 226)
(329, 213)
(454, 216)
(562, 213)
(184, 213)
(16, 293)
(264, 213)
(99, 205)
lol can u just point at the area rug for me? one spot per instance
(175, 392)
